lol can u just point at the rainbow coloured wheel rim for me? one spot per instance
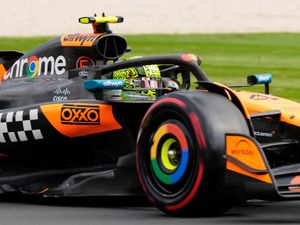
(169, 154)
(170, 159)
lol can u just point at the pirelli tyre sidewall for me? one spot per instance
(180, 149)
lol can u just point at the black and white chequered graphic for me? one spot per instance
(18, 126)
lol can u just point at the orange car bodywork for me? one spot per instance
(256, 103)
(251, 155)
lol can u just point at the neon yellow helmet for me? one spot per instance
(151, 71)
(139, 77)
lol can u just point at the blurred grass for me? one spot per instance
(226, 58)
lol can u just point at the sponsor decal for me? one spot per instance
(246, 150)
(62, 91)
(103, 84)
(18, 126)
(242, 147)
(59, 98)
(61, 94)
(262, 97)
(84, 62)
(264, 78)
(83, 73)
(34, 66)
(80, 119)
(79, 40)
(80, 114)
(263, 134)
(113, 83)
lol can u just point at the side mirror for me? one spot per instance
(265, 79)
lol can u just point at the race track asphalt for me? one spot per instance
(99, 211)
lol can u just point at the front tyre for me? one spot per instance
(179, 153)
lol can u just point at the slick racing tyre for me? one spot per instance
(180, 149)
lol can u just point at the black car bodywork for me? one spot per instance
(64, 133)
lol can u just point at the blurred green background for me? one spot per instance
(226, 58)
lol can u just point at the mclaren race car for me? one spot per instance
(77, 119)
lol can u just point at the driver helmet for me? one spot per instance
(147, 77)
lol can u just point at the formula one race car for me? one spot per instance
(78, 120)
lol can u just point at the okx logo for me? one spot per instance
(79, 114)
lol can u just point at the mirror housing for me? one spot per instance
(265, 79)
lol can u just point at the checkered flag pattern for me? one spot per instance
(18, 126)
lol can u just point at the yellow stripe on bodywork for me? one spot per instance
(101, 19)
(109, 19)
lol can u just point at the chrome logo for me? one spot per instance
(32, 67)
